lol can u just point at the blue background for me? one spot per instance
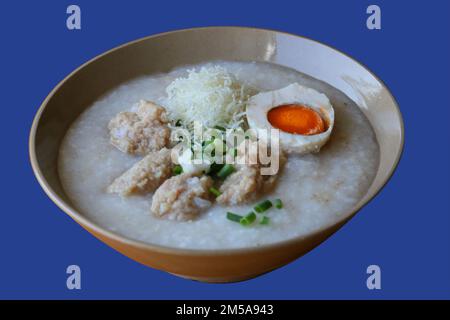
(405, 229)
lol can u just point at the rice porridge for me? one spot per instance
(315, 188)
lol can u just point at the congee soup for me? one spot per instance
(219, 155)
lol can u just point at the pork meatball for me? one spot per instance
(142, 131)
(145, 176)
(182, 197)
(241, 186)
(247, 183)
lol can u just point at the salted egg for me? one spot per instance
(303, 116)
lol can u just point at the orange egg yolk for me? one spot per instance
(297, 119)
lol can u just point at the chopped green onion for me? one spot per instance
(248, 219)
(207, 142)
(177, 170)
(234, 217)
(224, 148)
(220, 128)
(263, 206)
(214, 167)
(278, 204)
(234, 152)
(225, 171)
(214, 191)
(265, 220)
(178, 123)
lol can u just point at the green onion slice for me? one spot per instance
(248, 219)
(220, 128)
(177, 170)
(225, 171)
(214, 167)
(265, 220)
(234, 217)
(214, 191)
(233, 152)
(206, 143)
(278, 204)
(263, 206)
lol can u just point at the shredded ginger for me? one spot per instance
(212, 96)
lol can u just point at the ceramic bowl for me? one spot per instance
(162, 52)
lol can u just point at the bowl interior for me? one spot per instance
(163, 52)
